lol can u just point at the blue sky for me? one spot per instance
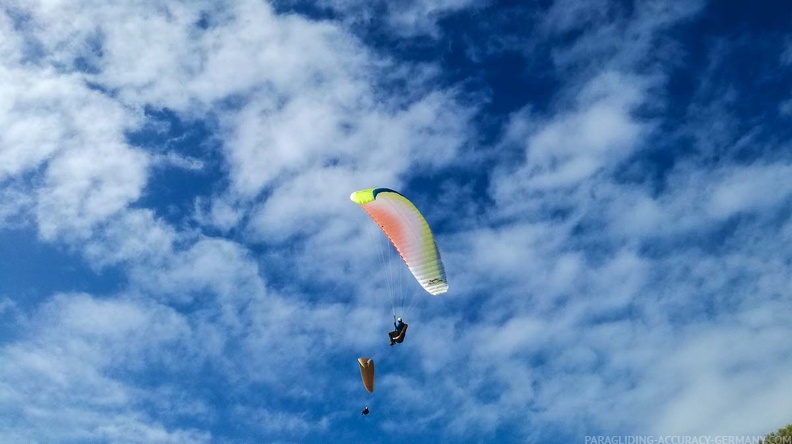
(608, 182)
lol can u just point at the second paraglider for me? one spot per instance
(367, 373)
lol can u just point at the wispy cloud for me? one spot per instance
(69, 376)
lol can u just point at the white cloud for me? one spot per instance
(10, 47)
(603, 30)
(786, 107)
(786, 55)
(414, 18)
(272, 144)
(64, 379)
(311, 133)
(279, 422)
(56, 123)
(600, 132)
(376, 153)
(747, 189)
(698, 201)
(35, 123)
(567, 151)
(634, 290)
(406, 19)
(133, 237)
(176, 160)
(157, 55)
(307, 86)
(15, 205)
(565, 15)
(87, 185)
(213, 272)
(735, 369)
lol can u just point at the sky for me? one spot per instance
(608, 183)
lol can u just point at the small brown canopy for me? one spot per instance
(367, 373)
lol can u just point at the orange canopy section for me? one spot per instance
(367, 373)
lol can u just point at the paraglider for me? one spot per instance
(408, 231)
(397, 335)
(367, 373)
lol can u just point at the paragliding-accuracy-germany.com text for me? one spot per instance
(678, 439)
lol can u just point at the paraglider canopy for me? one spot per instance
(409, 232)
(367, 373)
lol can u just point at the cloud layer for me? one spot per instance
(616, 243)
